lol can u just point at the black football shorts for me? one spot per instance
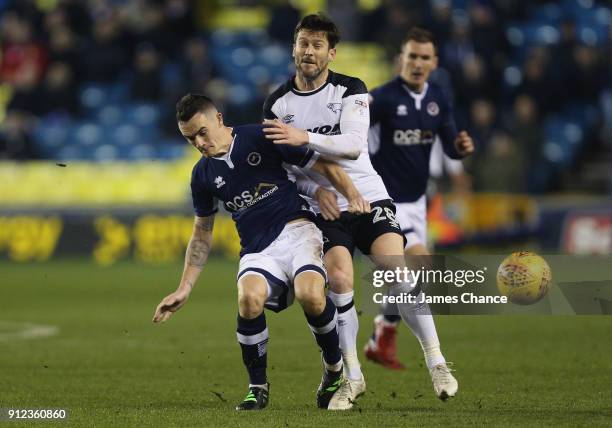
(360, 231)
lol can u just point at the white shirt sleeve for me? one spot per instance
(304, 184)
(353, 137)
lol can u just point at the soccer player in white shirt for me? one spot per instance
(329, 112)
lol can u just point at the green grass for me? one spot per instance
(110, 366)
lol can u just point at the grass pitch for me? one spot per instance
(108, 365)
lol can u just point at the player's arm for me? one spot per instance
(343, 184)
(195, 259)
(456, 145)
(354, 124)
(327, 200)
(306, 158)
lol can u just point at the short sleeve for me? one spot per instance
(376, 107)
(271, 109)
(204, 203)
(267, 108)
(355, 87)
(295, 155)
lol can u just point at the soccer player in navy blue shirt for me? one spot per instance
(407, 114)
(281, 257)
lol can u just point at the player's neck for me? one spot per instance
(228, 139)
(416, 88)
(303, 84)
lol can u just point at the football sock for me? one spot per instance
(386, 322)
(262, 386)
(253, 338)
(324, 328)
(348, 326)
(390, 313)
(419, 319)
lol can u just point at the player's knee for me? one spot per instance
(340, 281)
(311, 297)
(250, 302)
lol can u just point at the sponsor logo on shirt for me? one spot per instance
(361, 107)
(335, 107)
(219, 181)
(249, 198)
(411, 137)
(402, 110)
(288, 118)
(325, 129)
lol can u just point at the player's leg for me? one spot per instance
(322, 319)
(384, 251)
(338, 248)
(309, 288)
(252, 334)
(339, 264)
(382, 346)
(309, 277)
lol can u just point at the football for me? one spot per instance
(524, 277)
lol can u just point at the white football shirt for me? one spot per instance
(336, 116)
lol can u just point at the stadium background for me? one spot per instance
(95, 211)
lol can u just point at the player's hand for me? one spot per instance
(170, 304)
(358, 205)
(328, 203)
(281, 133)
(464, 144)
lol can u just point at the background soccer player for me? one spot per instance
(329, 112)
(281, 246)
(407, 114)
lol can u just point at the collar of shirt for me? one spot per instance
(417, 96)
(227, 158)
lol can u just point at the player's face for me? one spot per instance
(312, 54)
(418, 60)
(206, 132)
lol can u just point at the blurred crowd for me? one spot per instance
(505, 83)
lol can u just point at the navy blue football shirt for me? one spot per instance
(403, 128)
(252, 183)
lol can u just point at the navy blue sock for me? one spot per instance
(324, 328)
(253, 338)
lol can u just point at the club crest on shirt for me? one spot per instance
(288, 118)
(433, 109)
(253, 158)
(335, 107)
(219, 181)
(402, 110)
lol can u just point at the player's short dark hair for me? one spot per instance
(319, 22)
(419, 35)
(191, 104)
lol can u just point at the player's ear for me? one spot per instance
(435, 62)
(331, 55)
(219, 118)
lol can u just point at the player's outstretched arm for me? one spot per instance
(347, 145)
(343, 184)
(195, 259)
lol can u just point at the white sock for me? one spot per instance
(264, 386)
(332, 367)
(348, 326)
(418, 318)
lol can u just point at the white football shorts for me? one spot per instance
(298, 248)
(412, 217)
